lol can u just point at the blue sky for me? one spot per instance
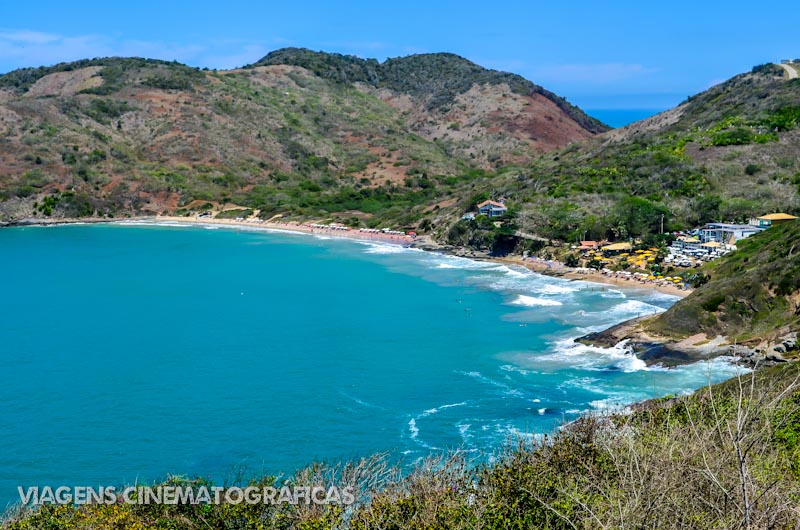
(598, 54)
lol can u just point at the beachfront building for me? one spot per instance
(727, 233)
(616, 248)
(492, 209)
(765, 221)
(591, 245)
(686, 243)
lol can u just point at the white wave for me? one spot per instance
(517, 369)
(532, 301)
(412, 428)
(510, 432)
(375, 248)
(571, 354)
(611, 403)
(557, 289)
(444, 261)
(542, 411)
(463, 429)
(513, 273)
(612, 293)
(172, 224)
(701, 373)
(634, 307)
(207, 227)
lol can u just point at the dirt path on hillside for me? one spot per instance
(791, 70)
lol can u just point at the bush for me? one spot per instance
(738, 136)
(752, 169)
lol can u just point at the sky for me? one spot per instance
(598, 54)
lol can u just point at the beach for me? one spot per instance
(551, 268)
(547, 267)
(555, 268)
(291, 226)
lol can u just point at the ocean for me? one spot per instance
(621, 117)
(128, 353)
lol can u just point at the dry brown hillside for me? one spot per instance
(122, 136)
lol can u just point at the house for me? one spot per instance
(492, 209)
(765, 221)
(727, 233)
(589, 245)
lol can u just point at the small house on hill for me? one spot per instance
(492, 209)
(765, 221)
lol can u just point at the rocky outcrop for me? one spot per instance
(777, 351)
(665, 351)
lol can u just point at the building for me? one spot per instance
(614, 248)
(686, 244)
(726, 233)
(492, 209)
(589, 245)
(765, 221)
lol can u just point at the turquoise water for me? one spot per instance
(128, 353)
(621, 117)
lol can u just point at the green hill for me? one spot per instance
(727, 154)
(435, 77)
(752, 293)
(303, 134)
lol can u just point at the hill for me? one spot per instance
(301, 133)
(726, 154)
(748, 305)
(412, 143)
(752, 293)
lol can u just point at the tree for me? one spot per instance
(637, 217)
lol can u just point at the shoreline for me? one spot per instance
(553, 269)
(561, 271)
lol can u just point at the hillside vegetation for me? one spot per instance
(412, 143)
(726, 457)
(295, 134)
(727, 154)
(752, 293)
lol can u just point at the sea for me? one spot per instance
(621, 117)
(134, 351)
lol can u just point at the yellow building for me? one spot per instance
(765, 221)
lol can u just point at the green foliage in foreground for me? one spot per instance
(725, 457)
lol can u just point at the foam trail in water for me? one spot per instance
(531, 301)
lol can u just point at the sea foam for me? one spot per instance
(531, 301)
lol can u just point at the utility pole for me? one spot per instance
(662, 224)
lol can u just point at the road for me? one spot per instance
(791, 70)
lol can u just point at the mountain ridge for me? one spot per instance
(132, 135)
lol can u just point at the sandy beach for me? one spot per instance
(550, 268)
(304, 228)
(554, 268)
